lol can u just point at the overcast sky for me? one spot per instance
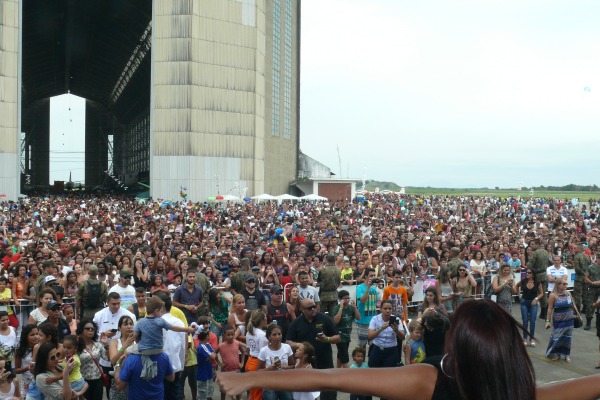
(453, 93)
(449, 93)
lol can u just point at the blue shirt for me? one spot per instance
(385, 338)
(204, 371)
(140, 388)
(368, 309)
(151, 332)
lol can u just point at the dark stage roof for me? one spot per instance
(96, 49)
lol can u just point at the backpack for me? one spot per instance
(93, 294)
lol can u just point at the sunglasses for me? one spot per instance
(89, 328)
(311, 308)
(462, 270)
(56, 356)
(528, 273)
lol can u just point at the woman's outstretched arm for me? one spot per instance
(576, 389)
(418, 381)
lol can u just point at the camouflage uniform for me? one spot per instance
(580, 264)
(329, 281)
(204, 283)
(538, 262)
(593, 273)
(454, 264)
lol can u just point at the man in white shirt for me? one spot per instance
(555, 273)
(107, 321)
(175, 344)
(124, 289)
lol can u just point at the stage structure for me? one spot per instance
(202, 94)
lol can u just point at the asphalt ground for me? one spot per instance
(584, 356)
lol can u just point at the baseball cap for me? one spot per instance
(53, 305)
(49, 279)
(125, 274)
(276, 288)
(250, 278)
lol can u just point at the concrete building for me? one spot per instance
(202, 94)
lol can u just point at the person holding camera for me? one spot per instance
(384, 332)
(366, 296)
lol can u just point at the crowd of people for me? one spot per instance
(136, 297)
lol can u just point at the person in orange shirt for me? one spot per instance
(398, 295)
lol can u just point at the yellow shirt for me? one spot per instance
(177, 313)
(75, 373)
(7, 294)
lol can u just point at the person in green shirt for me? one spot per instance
(343, 314)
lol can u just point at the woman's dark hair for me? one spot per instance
(22, 348)
(76, 341)
(477, 341)
(443, 275)
(41, 361)
(82, 325)
(50, 331)
(436, 300)
(214, 299)
(271, 328)
(123, 319)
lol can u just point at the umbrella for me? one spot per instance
(314, 197)
(229, 197)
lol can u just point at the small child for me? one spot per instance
(414, 348)
(8, 389)
(72, 346)
(305, 356)
(230, 350)
(151, 342)
(206, 355)
(69, 314)
(359, 355)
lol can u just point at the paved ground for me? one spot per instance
(584, 356)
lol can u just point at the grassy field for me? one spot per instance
(582, 196)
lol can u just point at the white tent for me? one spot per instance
(314, 197)
(264, 197)
(286, 196)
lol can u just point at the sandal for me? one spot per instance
(568, 359)
(554, 358)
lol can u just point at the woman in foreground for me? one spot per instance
(480, 336)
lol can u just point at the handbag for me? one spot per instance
(103, 376)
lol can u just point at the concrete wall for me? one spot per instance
(9, 100)
(208, 95)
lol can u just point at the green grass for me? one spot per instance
(582, 196)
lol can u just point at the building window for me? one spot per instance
(276, 67)
(287, 100)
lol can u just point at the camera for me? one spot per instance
(376, 281)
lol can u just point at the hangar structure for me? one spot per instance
(202, 94)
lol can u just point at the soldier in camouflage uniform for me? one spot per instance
(329, 281)
(238, 278)
(455, 261)
(538, 262)
(580, 264)
(592, 280)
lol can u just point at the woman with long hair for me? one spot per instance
(46, 367)
(47, 333)
(446, 288)
(23, 355)
(531, 294)
(237, 316)
(561, 312)
(256, 339)
(218, 305)
(431, 302)
(294, 299)
(465, 285)
(92, 351)
(117, 348)
(504, 287)
(478, 269)
(476, 346)
(40, 314)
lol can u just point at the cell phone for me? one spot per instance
(114, 330)
(70, 358)
(394, 320)
(320, 334)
